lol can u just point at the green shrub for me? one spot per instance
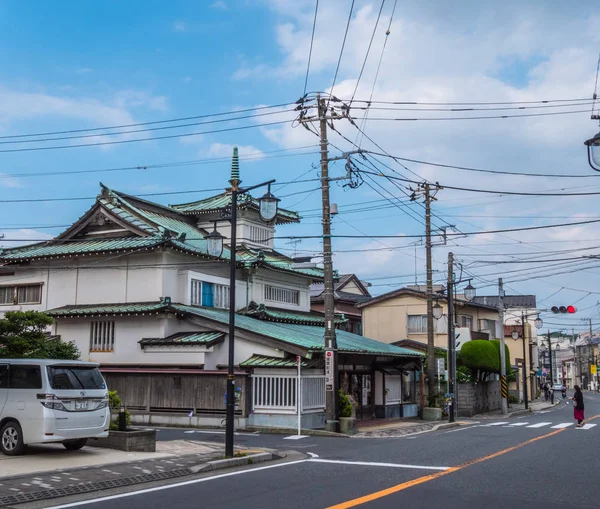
(496, 343)
(345, 405)
(513, 399)
(114, 403)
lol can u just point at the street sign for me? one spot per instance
(593, 369)
(329, 370)
(441, 365)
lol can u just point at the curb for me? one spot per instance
(294, 431)
(213, 465)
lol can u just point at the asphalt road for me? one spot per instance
(537, 461)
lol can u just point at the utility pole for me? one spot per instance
(451, 336)
(525, 395)
(550, 350)
(430, 336)
(503, 383)
(331, 358)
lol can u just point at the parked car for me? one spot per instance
(559, 387)
(49, 401)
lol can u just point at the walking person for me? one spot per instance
(579, 406)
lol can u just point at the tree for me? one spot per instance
(482, 357)
(23, 335)
(496, 343)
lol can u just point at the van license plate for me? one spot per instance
(81, 405)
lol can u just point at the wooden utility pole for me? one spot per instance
(500, 330)
(331, 362)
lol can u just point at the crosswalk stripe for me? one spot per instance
(539, 425)
(587, 426)
(562, 425)
(519, 424)
(497, 423)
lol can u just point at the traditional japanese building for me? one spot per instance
(131, 283)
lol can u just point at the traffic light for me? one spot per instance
(563, 309)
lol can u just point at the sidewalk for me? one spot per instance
(51, 471)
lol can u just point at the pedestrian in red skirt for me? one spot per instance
(579, 407)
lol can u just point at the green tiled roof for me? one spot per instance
(185, 338)
(303, 336)
(263, 361)
(163, 227)
(281, 315)
(47, 249)
(215, 203)
(108, 309)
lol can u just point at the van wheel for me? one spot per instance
(75, 445)
(11, 439)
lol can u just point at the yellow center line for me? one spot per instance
(431, 477)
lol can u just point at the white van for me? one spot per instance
(48, 401)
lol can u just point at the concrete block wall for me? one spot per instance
(478, 398)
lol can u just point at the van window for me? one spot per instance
(3, 376)
(22, 376)
(75, 377)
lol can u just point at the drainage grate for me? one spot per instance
(91, 486)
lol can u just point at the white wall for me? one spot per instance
(128, 331)
(244, 349)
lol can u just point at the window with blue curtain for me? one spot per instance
(208, 294)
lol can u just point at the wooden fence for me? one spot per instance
(178, 393)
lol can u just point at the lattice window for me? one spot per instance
(102, 336)
(259, 235)
(284, 295)
(209, 295)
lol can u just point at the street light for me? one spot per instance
(267, 212)
(214, 243)
(515, 334)
(593, 152)
(539, 323)
(438, 311)
(470, 292)
(268, 206)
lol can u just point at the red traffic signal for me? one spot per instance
(563, 309)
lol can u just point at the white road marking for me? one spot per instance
(518, 424)
(176, 485)
(562, 425)
(461, 429)
(587, 426)
(216, 432)
(313, 455)
(539, 425)
(375, 464)
(496, 423)
(295, 437)
(543, 412)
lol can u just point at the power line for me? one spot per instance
(123, 126)
(545, 101)
(118, 142)
(464, 110)
(342, 50)
(368, 50)
(248, 157)
(480, 117)
(312, 38)
(497, 172)
(81, 198)
(151, 129)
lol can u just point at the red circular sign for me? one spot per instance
(329, 354)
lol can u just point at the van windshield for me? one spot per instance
(75, 377)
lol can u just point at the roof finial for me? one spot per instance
(235, 169)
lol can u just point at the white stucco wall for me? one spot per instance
(244, 349)
(128, 331)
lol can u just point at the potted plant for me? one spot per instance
(345, 409)
(127, 439)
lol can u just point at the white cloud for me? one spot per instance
(179, 26)
(21, 237)
(219, 4)
(8, 181)
(519, 54)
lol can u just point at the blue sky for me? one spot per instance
(74, 65)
